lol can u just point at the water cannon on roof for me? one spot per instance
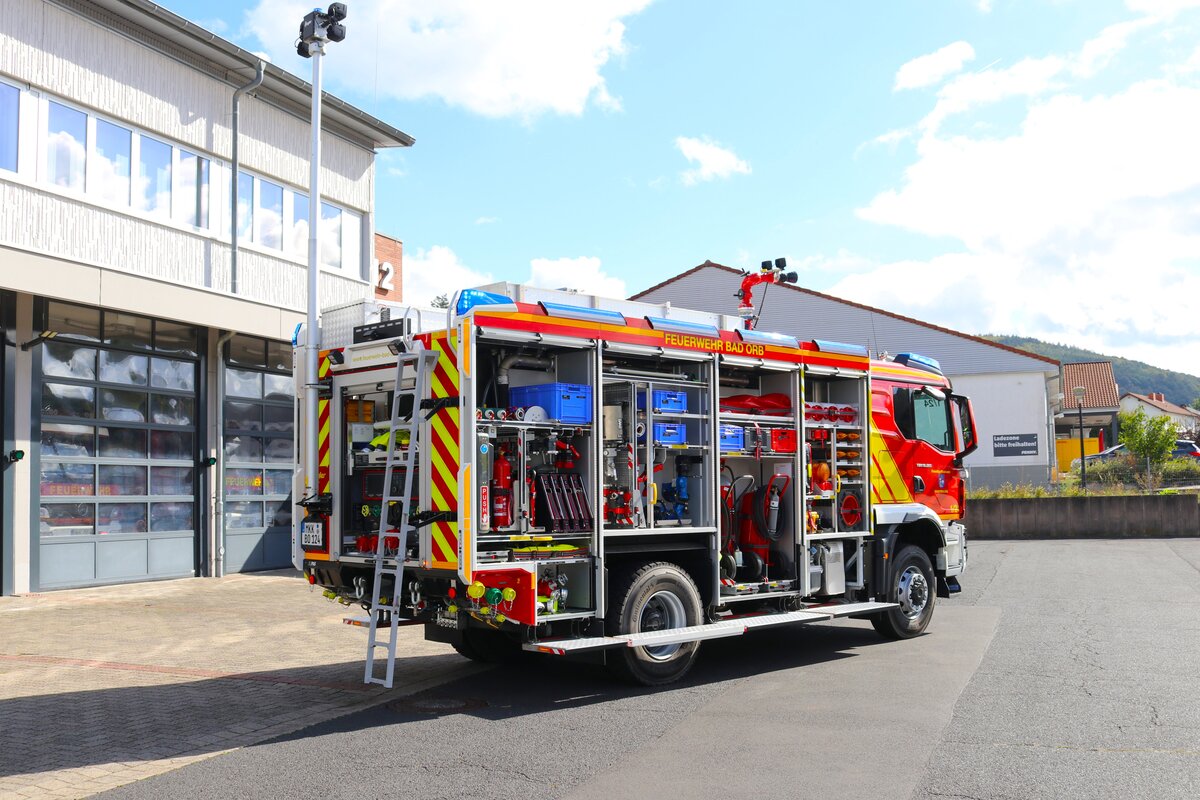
(768, 274)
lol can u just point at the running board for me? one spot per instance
(714, 630)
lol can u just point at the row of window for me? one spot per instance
(119, 166)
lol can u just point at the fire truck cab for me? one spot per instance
(624, 480)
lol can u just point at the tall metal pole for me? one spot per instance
(1082, 455)
(312, 336)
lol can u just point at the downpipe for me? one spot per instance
(219, 549)
(233, 188)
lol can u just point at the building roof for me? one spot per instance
(871, 314)
(166, 31)
(1094, 376)
(1156, 401)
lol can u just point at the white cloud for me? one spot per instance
(486, 220)
(1161, 8)
(520, 58)
(984, 6)
(711, 160)
(582, 274)
(438, 270)
(1076, 225)
(935, 67)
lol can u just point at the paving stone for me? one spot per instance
(141, 679)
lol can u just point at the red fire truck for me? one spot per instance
(574, 475)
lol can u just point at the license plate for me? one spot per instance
(312, 535)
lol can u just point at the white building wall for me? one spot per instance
(1006, 405)
(1182, 423)
(52, 48)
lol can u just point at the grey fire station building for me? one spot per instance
(1015, 394)
(146, 364)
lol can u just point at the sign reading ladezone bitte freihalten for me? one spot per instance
(1014, 444)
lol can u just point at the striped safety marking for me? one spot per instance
(323, 369)
(444, 456)
(887, 484)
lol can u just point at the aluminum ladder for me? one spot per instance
(422, 361)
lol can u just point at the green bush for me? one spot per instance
(1181, 471)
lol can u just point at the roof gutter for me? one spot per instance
(233, 187)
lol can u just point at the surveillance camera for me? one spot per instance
(336, 12)
(336, 32)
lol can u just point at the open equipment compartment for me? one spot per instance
(657, 443)
(836, 432)
(761, 500)
(534, 427)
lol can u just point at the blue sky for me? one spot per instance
(1004, 166)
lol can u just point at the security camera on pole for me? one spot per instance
(316, 29)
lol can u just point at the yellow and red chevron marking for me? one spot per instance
(887, 484)
(324, 367)
(444, 455)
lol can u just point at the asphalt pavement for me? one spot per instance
(1064, 670)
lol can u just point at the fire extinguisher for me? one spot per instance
(502, 483)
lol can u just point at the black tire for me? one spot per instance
(913, 585)
(653, 597)
(488, 647)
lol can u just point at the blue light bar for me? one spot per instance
(583, 313)
(919, 362)
(682, 326)
(472, 298)
(839, 347)
(766, 337)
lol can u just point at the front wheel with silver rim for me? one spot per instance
(654, 597)
(911, 587)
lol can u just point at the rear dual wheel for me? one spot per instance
(654, 597)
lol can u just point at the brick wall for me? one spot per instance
(389, 252)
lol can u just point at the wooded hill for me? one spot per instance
(1132, 376)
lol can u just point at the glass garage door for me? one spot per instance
(259, 454)
(117, 462)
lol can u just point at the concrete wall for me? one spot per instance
(1084, 517)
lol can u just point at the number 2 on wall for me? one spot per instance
(386, 271)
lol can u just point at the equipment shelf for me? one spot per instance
(838, 535)
(759, 419)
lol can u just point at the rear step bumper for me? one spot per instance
(714, 630)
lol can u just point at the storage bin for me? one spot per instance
(783, 440)
(565, 402)
(669, 433)
(665, 401)
(733, 437)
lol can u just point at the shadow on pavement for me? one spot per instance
(70, 729)
(537, 684)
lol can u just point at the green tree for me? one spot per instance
(1148, 438)
(441, 301)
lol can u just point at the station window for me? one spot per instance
(191, 201)
(66, 146)
(154, 177)
(110, 167)
(258, 435)
(10, 104)
(118, 423)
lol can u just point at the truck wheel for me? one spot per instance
(654, 597)
(912, 585)
(489, 647)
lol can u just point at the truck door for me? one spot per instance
(922, 443)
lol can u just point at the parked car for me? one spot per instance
(1183, 448)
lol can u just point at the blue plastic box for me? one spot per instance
(565, 402)
(733, 437)
(669, 433)
(666, 401)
